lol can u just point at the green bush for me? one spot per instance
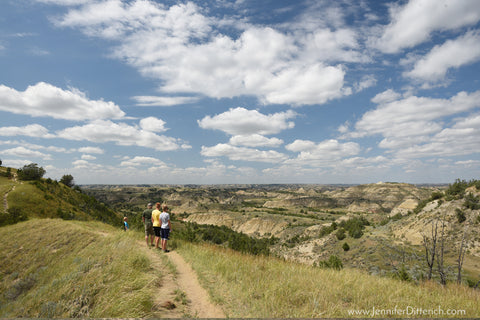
(226, 237)
(13, 215)
(345, 247)
(402, 274)
(355, 226)
(333, 262)
(460, 215)
(31, 172)
(341, 234)
(471, 202)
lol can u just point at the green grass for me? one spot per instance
(49, 199)
(258, 286)
(55, 268)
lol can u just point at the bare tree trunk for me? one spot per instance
(441, 270)
(430, 246)
(461, 255)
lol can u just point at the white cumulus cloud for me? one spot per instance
(414, 22)
(243, 154)
(102, 131)
(188, 52)
(46, 100)
(31, 130)
(26, 153)
(241, 121)
(455, 53)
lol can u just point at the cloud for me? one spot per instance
(153, 101)
(64, 2)
(31, 130)
(153, 124)
(413, 23)
(102, 131)
(189, 52)
(386, 96)
(26, 153)
(15, 163)
(320, 154)
(459, 140)
(88, 157)
(452, 54)
(142, 161)
(243, 154)
(46, 100)
(254, 140)
(241, 121)
(91, 150)
(417, 127)
(412, 116)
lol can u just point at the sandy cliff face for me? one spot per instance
(254, 226)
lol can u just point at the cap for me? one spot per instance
(150, 204)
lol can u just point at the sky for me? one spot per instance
(245, 91)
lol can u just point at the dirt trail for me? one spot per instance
(179, 293)
(5, 201)
(187, 279)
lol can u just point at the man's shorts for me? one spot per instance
(164, 233)
(149, 229)
(157, 231)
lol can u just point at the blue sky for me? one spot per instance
(271, 91)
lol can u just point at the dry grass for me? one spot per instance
(253, 286)
(54, 268)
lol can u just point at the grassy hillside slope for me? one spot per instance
(47, 198)
(55, 268)
(258, 286)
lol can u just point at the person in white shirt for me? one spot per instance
(166, 227)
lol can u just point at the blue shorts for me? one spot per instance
(164, 233)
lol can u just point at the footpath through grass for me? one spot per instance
(259, 286)
(68, 269)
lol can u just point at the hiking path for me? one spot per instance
(180, 294)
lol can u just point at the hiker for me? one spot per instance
(165, 228)
(147, 222)
(125, 224)
(156, 223)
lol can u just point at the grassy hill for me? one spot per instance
(46, 198)
(69, 269)
(72, 269)
(259, 286)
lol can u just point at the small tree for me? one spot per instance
(31, 172)
(67, 180)
(430, 245)
(461, 255)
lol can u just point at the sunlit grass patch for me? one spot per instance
(258, 286)
(55, 268)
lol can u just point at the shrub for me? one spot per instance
(402, 274)
(341, 234)
(333, 262)
(345, 247)
(471, 202)
(12, 216)
(67, 180)
(355, 226)
(327, 230)
(460, 215)
(31, 172)
(226, 237)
